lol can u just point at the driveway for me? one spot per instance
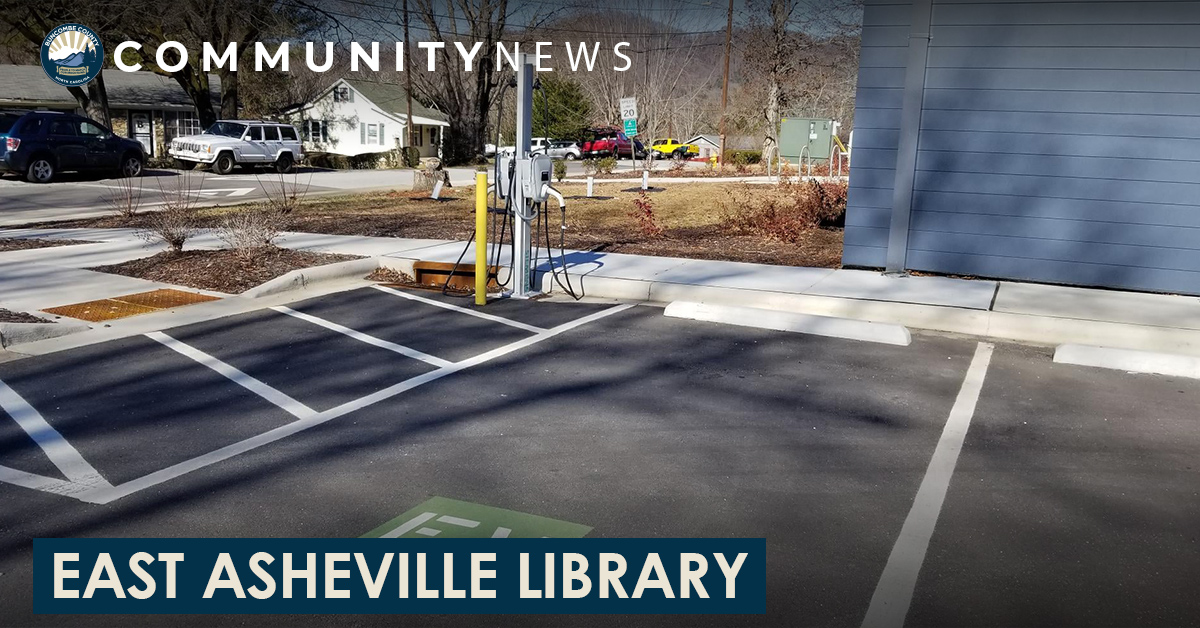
(1061, 495)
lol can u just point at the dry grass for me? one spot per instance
(690, 215)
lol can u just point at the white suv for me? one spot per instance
(229, 143)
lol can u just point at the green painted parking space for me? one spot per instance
(442, 517)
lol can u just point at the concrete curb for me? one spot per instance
(1029, 328)
(884, 333)
(302, 278)
(20, 333)
(1129, 360)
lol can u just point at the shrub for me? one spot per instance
(124, 197)
(283, 193)
(786, 211)
(606, 165)
(178, 219)
(560, 170)
(745, 157)
(365, 161)
(252, 231)
(643, 214)
(160, 162)
(412, 156)
(589, 166)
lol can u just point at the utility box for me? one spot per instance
(814, 133)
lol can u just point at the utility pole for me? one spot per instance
(408, 123)
(725, 80)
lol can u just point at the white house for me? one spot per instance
(708, 145)
(353, 117)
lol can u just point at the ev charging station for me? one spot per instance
(523, 180)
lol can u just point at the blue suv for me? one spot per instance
(40, 144)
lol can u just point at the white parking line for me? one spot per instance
(894, 592)
(463, 310)
(283, 431)
(58, 450)
(367, 338)
(293, 407)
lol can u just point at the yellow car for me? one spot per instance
(670, 147)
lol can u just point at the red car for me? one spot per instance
(610, 142)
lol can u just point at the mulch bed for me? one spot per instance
(223, 270)
(9, 316)
(819, 247)
(22, 244)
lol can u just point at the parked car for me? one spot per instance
(560, 149)
(39, 145)
(609, 142)
(672, 148)
(230, 143)
(536, 144)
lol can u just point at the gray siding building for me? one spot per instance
(1046, 141)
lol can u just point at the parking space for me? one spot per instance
(1076, 501)
(355, 413)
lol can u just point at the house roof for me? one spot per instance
(732, 142)
(392, 98)
(28, 85)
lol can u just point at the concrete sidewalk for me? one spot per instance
(1035, 313)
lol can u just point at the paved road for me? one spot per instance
(1074, 501)
(81, 195)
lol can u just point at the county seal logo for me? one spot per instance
(72, 55)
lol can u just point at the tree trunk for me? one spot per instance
(771, 112)
(97, 107)
(93, 100)
(196, 86)
(229, 94)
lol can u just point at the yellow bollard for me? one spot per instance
(481, 269)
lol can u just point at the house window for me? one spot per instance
(180, 124)
(419, 136)
(343, 94)
(433, 136)
(316, 131)
(372, 134)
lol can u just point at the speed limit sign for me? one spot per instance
(629, 108)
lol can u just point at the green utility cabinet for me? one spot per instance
(815, 133)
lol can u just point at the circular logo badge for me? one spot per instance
(72, 55)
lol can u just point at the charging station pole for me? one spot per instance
(522, 248)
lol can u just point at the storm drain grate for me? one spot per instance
(129, 305)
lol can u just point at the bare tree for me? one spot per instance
(219, 22)
(801, 58)
(669, 76)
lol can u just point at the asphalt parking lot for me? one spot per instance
(1073, 500)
